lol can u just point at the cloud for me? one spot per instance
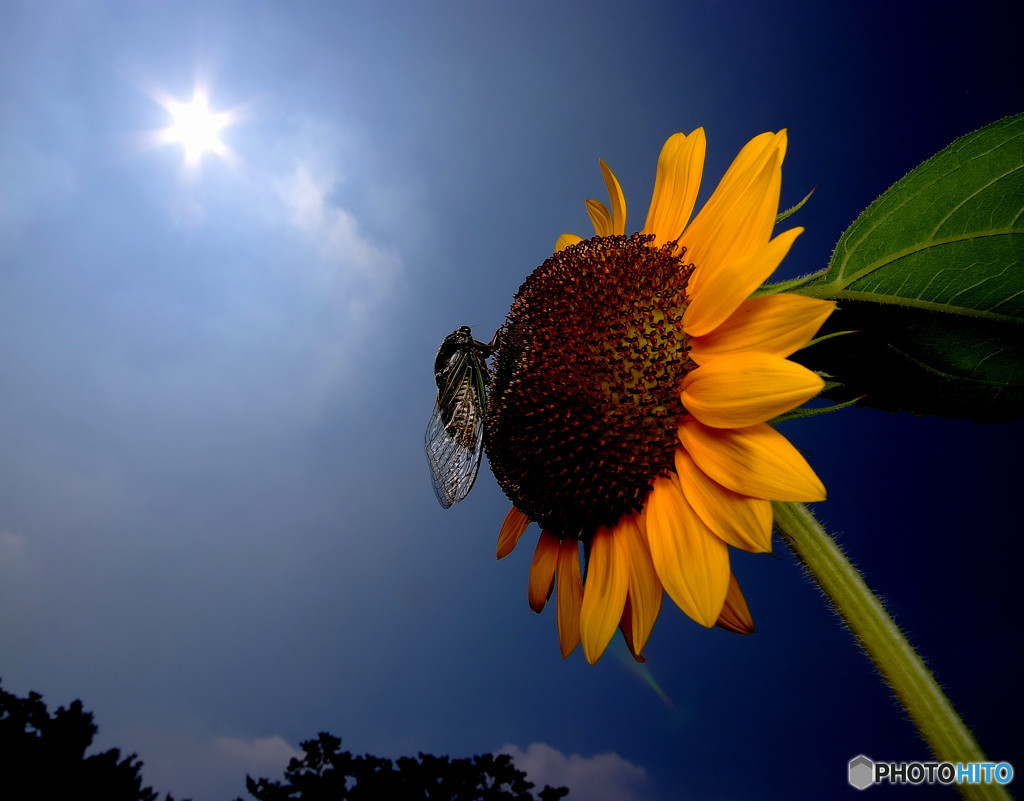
(346, 278)
(602, 777)
(200, 767)
(361, 270)
(259, 757)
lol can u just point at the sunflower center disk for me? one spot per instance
(584, 397)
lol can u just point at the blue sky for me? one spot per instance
(216, 521)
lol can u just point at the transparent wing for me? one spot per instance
(454, 448)
(454, 438)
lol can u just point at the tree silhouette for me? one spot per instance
(328, 774)
(44, 756)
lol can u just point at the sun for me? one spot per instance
(196, 128)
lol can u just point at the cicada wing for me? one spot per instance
(454, 438)
(454, 448)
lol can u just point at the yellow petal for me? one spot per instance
(756, 461)
(604, 593)
(676, 186)
(726, 284)
(618, 200)
(645, 592)
(741, 521)
(691, 562)
(735, 616)
(542, 570)
(740, 214)
(748, 161)
(777, 324)
(600, 217)
(511, 530)
(566, 240)
(570, 595)
(626, 627)
(741, 389)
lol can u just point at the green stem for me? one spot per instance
(900, 666)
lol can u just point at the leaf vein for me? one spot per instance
(909, 198)
(885, 299)
(918, 248)
(996, 179)
(948, 375)
(852, 248)
(1007, 299)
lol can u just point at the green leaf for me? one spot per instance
(931, 277)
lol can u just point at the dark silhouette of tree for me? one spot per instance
(44, 757)
(328, 774)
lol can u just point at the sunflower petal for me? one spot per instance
(756, 461)
(776, 324)
(676, 185)
(567, 240)
(570, 595)
(691, 562)
(740, 214)
(726, 284)
(645, 591)
(747, 163)
(741, 389)
(511, 530)
(626, 627)
(735, 615)
(741, 521)
(542, 570)
(618, 200)
(604, 594)
(600, 217)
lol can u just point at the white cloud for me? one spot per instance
(304, 197)
(187, 765)
(259, 757)
(602, 777)
(362, 271)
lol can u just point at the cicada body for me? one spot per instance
(454, 439)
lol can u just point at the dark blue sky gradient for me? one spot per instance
(216, 521)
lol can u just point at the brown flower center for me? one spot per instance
(584, 403)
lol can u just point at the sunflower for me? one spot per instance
(629, 400)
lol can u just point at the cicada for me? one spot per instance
(454, 439)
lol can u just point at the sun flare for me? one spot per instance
(196, 128)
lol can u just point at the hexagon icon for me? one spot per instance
(862, 772)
